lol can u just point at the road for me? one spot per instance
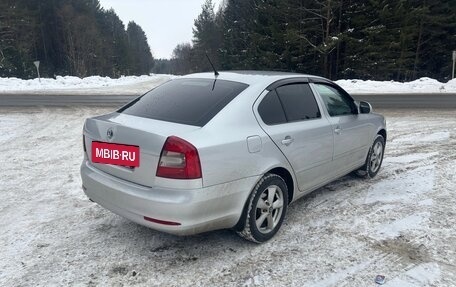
(64, 100)
(437, 101)
(442, 100)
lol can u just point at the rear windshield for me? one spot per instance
(185, 101)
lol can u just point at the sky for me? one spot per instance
(165, 22)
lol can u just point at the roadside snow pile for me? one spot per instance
(69, 82)
(423, 85)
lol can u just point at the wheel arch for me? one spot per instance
(286, 175)
(289, 181)
(382, 132)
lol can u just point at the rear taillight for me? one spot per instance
(179, 159)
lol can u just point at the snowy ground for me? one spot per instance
(402, 224)
(138, 85)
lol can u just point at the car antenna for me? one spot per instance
(213, 68)
(215, 71)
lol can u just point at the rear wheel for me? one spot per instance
(374, 159)
(266, 209)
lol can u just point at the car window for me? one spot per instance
(336, 102)
(185, 101)
(298, 102)
(270, 109)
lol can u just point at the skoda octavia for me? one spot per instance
(231, 150)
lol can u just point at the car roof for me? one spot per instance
(251, 77)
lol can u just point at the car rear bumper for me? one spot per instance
(195, 210)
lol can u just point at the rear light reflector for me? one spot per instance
(179, 159)
(84, 143)
(164, 222)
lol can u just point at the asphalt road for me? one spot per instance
(15, 100)
(438, 101)
(404, 101)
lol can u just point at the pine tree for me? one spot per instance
(238, 24)
(68, 37)
(182, 59)
(141, 60)
(206, 38)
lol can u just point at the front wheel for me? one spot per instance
(374, 159)
(266, 210)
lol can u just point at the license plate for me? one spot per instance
(116, 154)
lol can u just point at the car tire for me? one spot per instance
(266, 209)
(374, 159)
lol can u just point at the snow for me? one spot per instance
(422, 275)
(9, 126)
(420, 137)
(409, 157)
(68, 83)
(422, 85)
(404, 187)
(341, 275)
(71, 83)
(400, 224)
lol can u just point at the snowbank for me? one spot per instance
(423, 85)
(69, 82)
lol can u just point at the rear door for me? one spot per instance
(291, 117)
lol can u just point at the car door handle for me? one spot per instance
(337, 130)
(287, 141)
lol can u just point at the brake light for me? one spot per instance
(179, 159)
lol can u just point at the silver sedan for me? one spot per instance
(205, 152)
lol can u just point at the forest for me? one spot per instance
(365, 39)
(69, 37)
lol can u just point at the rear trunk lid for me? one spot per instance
(149, 134)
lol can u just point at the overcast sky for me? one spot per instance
(166, 22)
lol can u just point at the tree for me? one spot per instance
(68, 37)
(141, 60)
(17, 39)
(374, 39)
(207, 38)
(238, 20)
(181, 59)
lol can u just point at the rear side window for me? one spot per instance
(185, 101)
(298, 102)
(270, 109)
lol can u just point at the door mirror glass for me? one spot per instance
(365, 107)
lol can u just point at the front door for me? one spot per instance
(350, 134)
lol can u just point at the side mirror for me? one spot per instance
(364, 107)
